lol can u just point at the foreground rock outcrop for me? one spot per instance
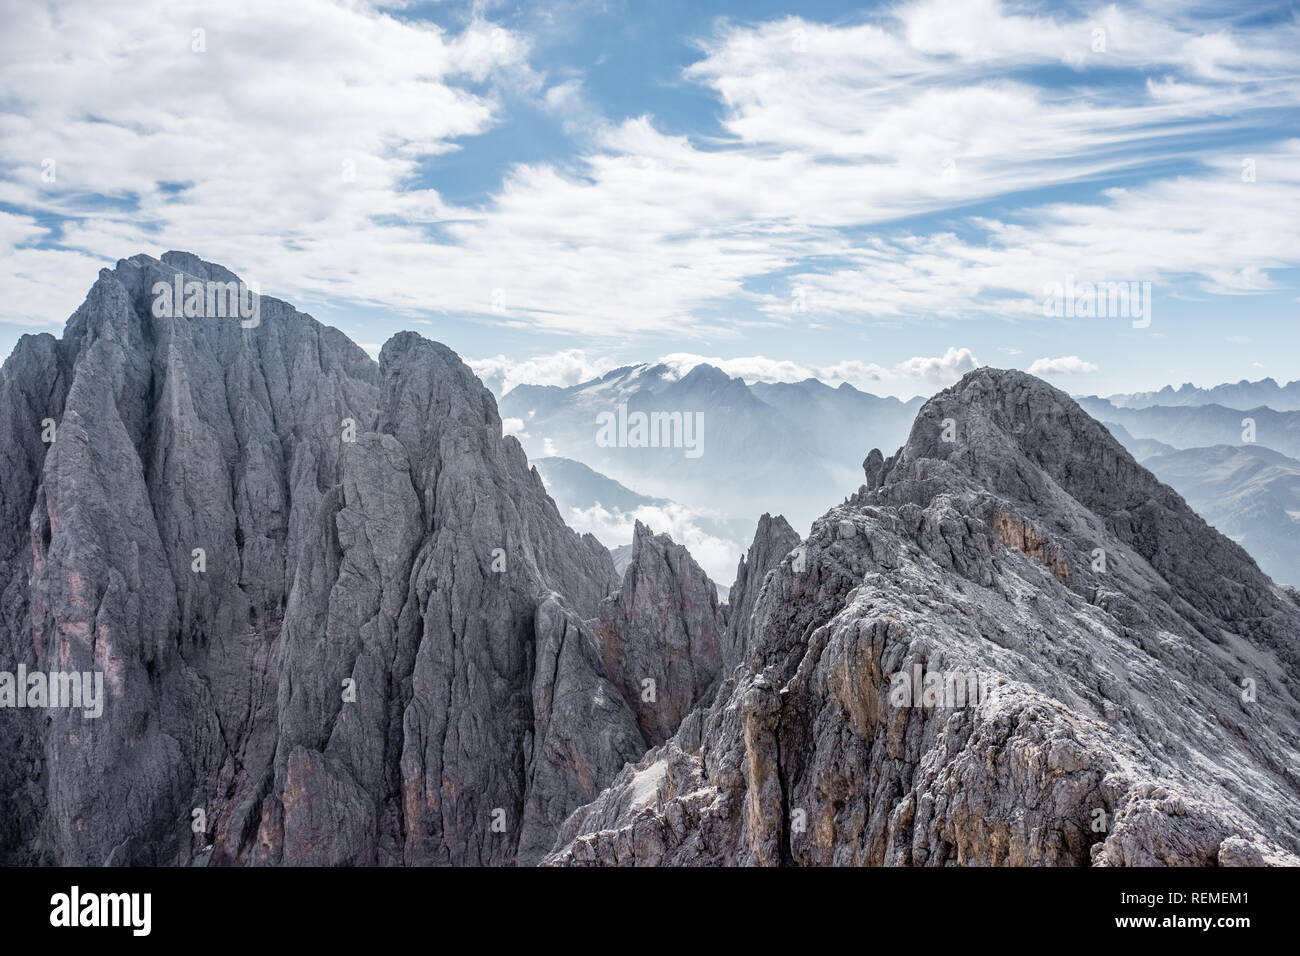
(1011, 646)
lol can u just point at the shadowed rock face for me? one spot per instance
(1250, 493)
(385, 656)
(1115, 683)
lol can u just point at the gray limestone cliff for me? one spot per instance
(661, 633)
(338, 618)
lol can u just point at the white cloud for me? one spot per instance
(564, 368)
(575, 366)
(1065, 365)
(569, 101)
(1209, 232)
(919, 370)
(614, 527)
(513, 426)
(759, 368)
(953, 364)
(565, 96)
(291, 150)
(275, 141)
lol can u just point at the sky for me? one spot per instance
(884, 194)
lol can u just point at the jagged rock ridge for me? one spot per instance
(1117, 682)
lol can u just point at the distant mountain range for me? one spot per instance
(790, 447)
(1195, 426)
(1139, 448)
(573, 485)
(1240, 395)
(782, 448)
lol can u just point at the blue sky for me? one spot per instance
(875, 193)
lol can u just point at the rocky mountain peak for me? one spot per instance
(192, 265)
(338, 611)
(1038, 463)
(1013, 646)
(991, 413)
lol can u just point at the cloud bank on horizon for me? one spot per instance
(867, 193)
(574, 367)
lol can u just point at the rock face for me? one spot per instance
(1012, 646)
(662, 634)
(773, 540)
(1251, 494)
(338, 617)
(448, 590)
(180, 444)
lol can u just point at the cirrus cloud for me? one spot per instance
(294, 148)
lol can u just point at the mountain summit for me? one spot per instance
(1012, 646)
(339, 618)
